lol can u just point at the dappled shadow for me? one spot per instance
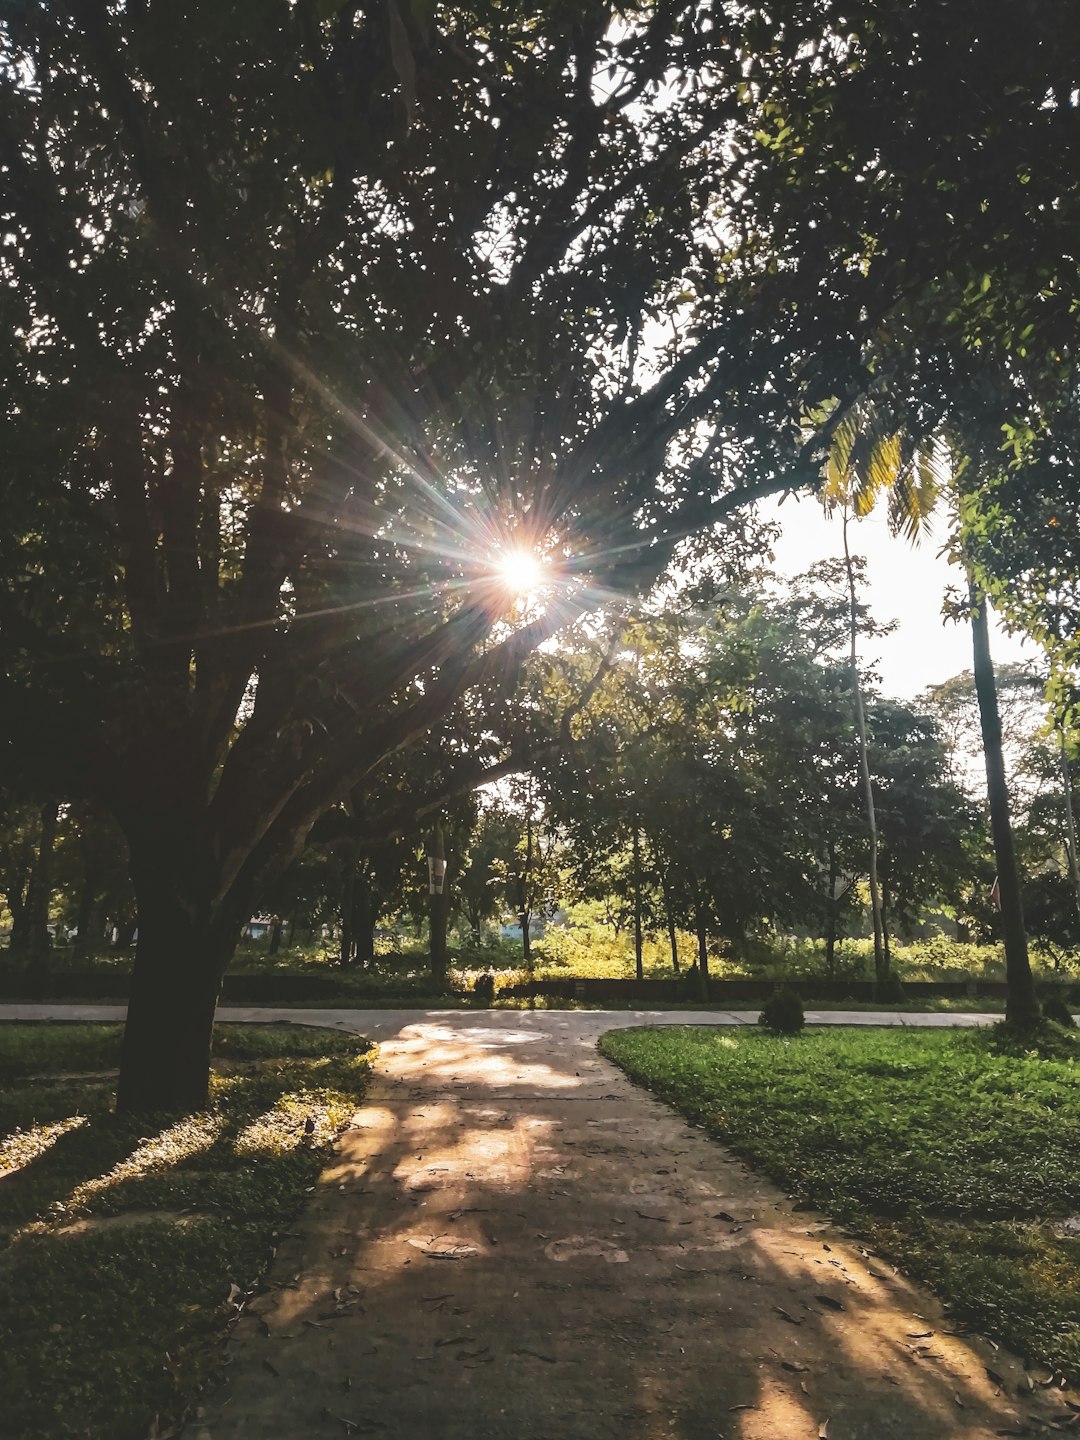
(515, 1242)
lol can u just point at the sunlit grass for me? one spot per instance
(954, 1157)
(125, 1236)
(22, 1146)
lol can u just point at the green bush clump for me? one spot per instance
(783, 1013)
(484, 988)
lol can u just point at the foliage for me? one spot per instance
(106, 1326)
(953, 1158)
(782, 1013)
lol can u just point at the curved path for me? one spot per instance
(515, 1241)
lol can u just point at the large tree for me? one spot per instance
(312, 309)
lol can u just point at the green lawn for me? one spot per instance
(127, 1243)
(952, 1158)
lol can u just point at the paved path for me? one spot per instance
(588, 1024)
(515, 1243)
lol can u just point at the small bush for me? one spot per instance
(1055, 1007)
(484, 989)
(783, 1013)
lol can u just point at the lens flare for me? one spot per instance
(520, 572)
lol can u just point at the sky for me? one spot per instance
(907, 584)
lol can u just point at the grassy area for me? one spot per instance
(127, 1244)
(953, 1158)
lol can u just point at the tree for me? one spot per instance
(305, 331)
(277, 402)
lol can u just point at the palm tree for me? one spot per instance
(868, 459)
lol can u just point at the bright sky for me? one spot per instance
(907, 584)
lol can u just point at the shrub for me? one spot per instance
(484, 988)
(783, 1013)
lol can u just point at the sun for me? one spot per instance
(519, 571)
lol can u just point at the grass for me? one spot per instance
(952, 1153)
(128, 1243)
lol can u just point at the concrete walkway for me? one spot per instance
(516, 1243)
(588, 1024)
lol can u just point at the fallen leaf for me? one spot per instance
(234, 1293)
(785, 1316)
(723, 1215)
(823, 1429)
(793, 1365)
(742, 1407)
(829, 1302)
(995, 1378)
(956, 1397)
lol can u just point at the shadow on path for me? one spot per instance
(514, 1241)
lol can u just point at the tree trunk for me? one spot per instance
(1070, 819)
(880, 959)
(189, 924)
(830, 930)
(348, 885)
(180, 958)
(669, 918)
(88, 919)
(439, 908)
(87, 922)
(275, 935)
(1021, 1004)
(639, 960)
(702, 951)
(39, 890)
(885, 921)
(363, 920)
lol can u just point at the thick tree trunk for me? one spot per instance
(1021, 1003)
(187, 934)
